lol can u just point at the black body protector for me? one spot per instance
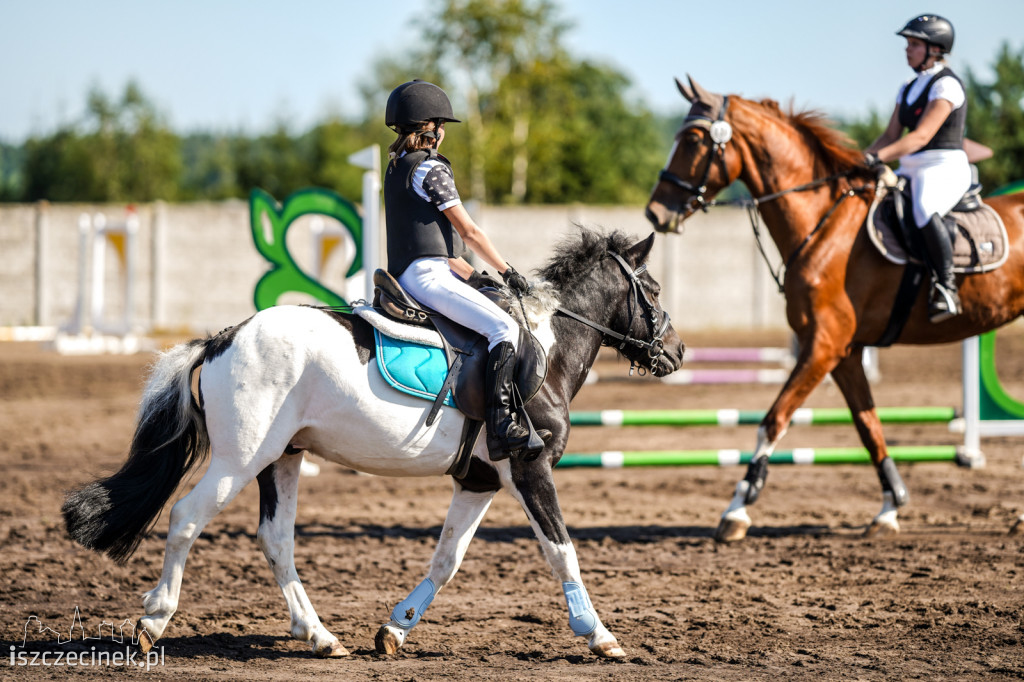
(950, 134)
(415, 228)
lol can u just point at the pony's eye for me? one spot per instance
(692, 137)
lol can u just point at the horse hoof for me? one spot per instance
(386, 642)
(608, 649)
(331, 650)
(145, 641)
(882, 529)
(731, 530)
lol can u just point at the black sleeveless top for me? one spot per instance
(950, 134)
(415, 228)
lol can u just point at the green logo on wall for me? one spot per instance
(270, 221)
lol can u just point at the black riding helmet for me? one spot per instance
(417, 101)
(932, 29)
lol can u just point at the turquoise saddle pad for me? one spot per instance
(412, 367)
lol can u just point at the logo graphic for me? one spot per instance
(107, 634)
(270, 221)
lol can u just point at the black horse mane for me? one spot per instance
(576, 255)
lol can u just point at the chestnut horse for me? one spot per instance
(811, 190)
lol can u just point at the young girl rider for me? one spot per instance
(932, 107)
(428, 230)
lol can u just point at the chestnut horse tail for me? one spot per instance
(113, 514)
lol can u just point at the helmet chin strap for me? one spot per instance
(928, 56)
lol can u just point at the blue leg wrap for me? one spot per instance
(582, 616)
(407, 613)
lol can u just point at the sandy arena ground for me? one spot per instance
(804, 597)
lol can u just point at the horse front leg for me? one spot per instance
(465, 512)
(817, 358)
(279, 493)
(533, 485)
(849, 376)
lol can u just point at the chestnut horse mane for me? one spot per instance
(833, 150)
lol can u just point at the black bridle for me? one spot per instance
(657, 320)
(719, 134)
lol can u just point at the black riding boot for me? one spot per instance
(505, 436)
(945, 301)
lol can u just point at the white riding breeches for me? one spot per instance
(430, 281)
(938, 180)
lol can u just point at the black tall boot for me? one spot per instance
(505, 436)
(945, 301)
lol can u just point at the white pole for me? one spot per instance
(41, 246)
(131, 231)
(158, 269)
(99, 254)
(971, 380)
(369, 158)
(78, 321)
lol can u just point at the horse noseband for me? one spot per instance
(639, 299)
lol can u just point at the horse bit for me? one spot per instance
(657, 319)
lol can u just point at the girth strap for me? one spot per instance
(910, 284)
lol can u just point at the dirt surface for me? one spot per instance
(805, 596)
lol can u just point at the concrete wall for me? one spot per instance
(196, 265)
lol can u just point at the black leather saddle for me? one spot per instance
(465, 349)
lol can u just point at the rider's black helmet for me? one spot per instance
(415, 102)
(932, 29)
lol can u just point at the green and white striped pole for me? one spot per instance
(665, 458)
(803, 416)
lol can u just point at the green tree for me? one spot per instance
(494, 46)
(864, 132)
(539, 125)
(121, 151)
(209, 168)
(995, 117)
(277, 162)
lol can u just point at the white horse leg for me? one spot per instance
(540, 502)
(465, 512)
(887, 521)
(188, 518)
(735, 520)
(279, 491)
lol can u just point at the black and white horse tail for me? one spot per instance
(113, 514)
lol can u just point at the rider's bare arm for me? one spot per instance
(474, 237)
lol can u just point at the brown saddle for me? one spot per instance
(465, 349)
(978, 235)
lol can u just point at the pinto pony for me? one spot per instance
(293, 379)
(813, 193)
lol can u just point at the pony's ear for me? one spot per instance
(640, 252)
(709, 98)
(686, 91)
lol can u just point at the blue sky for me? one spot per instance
(229, 64)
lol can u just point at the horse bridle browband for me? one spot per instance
(657, 319)
(719, 134)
